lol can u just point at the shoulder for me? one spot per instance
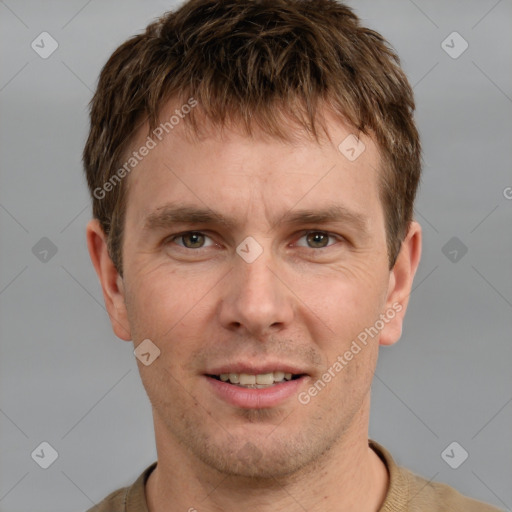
(114, 502)
(439, 497)
(409, 492)
(127, 499)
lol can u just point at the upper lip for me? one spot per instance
(253, 369)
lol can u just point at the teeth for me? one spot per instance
(255, 381)
(246, 379)
(278, 376)
(264, 378)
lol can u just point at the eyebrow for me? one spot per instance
(169, 214)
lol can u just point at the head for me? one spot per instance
(253, 167)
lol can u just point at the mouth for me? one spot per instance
(256, 381)
(251, 388)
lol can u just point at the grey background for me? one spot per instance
(66, 379)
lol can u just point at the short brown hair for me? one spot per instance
(268, 62)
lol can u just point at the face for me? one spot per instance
(252, 257)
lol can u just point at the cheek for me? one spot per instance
(161, 298)
(340, 303)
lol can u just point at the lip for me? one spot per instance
(248, 398)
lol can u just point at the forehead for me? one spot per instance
(225, 170)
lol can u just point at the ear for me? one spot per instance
(400, 284)
(111, 281)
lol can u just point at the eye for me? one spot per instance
(197, 240)
(317, 239)
(191, 240)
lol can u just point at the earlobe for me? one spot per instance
(110, 280)
(400, 285)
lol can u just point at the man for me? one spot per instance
(253, 167)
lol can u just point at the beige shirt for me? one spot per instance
(407, 492)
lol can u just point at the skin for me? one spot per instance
(302, 301)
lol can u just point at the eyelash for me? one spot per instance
(172, 238)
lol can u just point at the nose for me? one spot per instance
(256, 299)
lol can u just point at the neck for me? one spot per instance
(350, 478)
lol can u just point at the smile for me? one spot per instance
(256, 391)
(259, 381)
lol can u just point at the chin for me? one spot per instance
(260, 457)
(253, 464)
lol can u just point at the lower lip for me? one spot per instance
(250, 398)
